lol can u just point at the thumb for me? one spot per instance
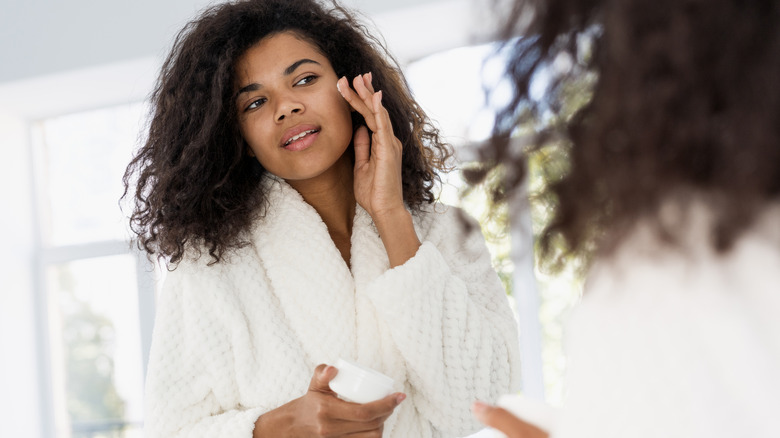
(362, 142)
(323, 374)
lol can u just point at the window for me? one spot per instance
(96, 293)
(447, 86)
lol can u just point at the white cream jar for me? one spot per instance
(358, 384)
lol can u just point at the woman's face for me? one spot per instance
(289, 109)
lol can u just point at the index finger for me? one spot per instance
(356, 102)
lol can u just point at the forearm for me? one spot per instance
(398, 235)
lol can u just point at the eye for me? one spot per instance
(256, 104)
(307, 80)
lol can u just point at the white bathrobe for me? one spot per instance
(243, 336)
(678, 341)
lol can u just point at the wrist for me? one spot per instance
(389, 218)
(396, 229)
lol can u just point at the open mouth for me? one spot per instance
(300, 136)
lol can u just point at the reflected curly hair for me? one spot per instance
(195, 185)
(686, 100)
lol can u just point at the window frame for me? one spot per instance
(45, 256)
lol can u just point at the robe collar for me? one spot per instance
(307, 273)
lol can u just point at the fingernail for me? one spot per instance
(370, 77)
(399, 398)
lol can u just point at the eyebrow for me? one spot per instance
(288, 71)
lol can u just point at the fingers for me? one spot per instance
(368, 80)
(501, 419)
(368, 103)
(352, 419)
(381, 116)
(361, 84)
(373, 412)
(361, 96)
(324, 414)
(356, 101)
(368, 434)
(323, 374)
(390, 402)
(362, 142)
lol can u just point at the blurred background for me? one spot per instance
(77, 301)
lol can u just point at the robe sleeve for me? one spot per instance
(188, 392)
(450, 319)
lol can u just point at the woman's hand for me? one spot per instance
(377, 156)
(378, 159)
(319, 413)
(500, 419)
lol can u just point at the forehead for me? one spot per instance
(274, 53)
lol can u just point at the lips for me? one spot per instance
(298, 134)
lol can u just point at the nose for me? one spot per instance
(288, 107)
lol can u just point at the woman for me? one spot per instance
(297, 217)
(673, 192)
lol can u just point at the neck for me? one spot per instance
(332, 196)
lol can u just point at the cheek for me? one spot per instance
(344, 116)
(345, 123)
(250, 151)
(266, 160)
(260, 153)
(254, 137)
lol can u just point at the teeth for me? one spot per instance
(299, 136)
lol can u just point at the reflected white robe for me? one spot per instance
(678, 342)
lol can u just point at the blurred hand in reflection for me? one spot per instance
(502, 420)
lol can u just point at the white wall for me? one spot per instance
(42, 37)
(52, 70)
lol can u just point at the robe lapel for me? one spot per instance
(310, 279)
(375, 347)
(369, 258)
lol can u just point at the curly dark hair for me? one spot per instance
(684, 98)
(195, 185)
